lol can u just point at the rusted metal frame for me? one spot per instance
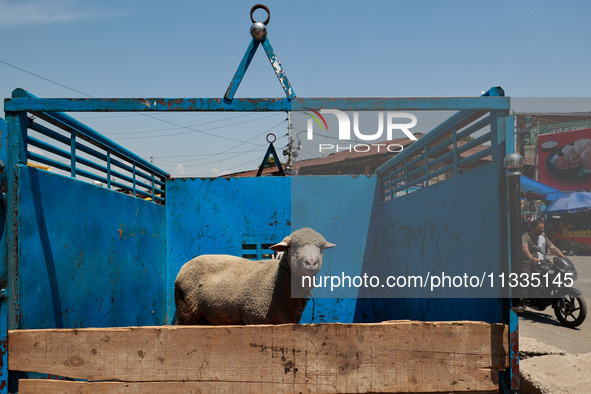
(257, 104)
(278, 69)
(17, 134)
(242, 67)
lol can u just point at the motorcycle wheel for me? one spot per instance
(570, 310)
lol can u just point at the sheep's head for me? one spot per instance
(303, 251)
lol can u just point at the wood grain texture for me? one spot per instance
(381, 357)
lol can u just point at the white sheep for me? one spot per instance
(223, 289)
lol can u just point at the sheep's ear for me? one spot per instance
(281, 246)
(329, 245)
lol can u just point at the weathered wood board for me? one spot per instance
(382, 357)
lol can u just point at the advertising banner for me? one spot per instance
(564, 160)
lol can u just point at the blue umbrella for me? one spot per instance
(538, 190)
(572, 202)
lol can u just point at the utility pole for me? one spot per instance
(290, 140)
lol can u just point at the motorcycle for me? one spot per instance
(569, 306)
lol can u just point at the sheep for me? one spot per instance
(230, 290)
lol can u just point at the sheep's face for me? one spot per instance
(304, 249)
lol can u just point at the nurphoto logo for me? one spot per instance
(390, 122)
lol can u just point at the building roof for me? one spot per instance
(349, 162)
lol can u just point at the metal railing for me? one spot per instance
(59, 141)
(466, 140)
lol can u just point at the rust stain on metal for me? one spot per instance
(3, 350)
(514, 343)
(174, 103)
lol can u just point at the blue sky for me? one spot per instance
(328, 48)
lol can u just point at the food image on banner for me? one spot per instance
(564, 160)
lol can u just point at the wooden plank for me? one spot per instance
(36, 386)
(381, 357)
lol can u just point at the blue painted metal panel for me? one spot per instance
(458, 223)
(87, 256)
(341, 208)
(219, 215)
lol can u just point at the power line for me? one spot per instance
(139, 113)
(195, 125)
(229, 149)
(192, 130)
(45, 79)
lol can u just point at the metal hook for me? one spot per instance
(259, 6)
(274, 138)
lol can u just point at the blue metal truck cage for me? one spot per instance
(100, 245)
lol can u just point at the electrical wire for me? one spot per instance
(139, 113)
(189, 127)
(192, 130)
(233, 147)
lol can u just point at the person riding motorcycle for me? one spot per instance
(536, 237)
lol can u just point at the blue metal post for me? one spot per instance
(278, 69)
(73, 153)
(3, 265)
(17, 155)
(109, 170)
(242, 67)
(454, 138)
